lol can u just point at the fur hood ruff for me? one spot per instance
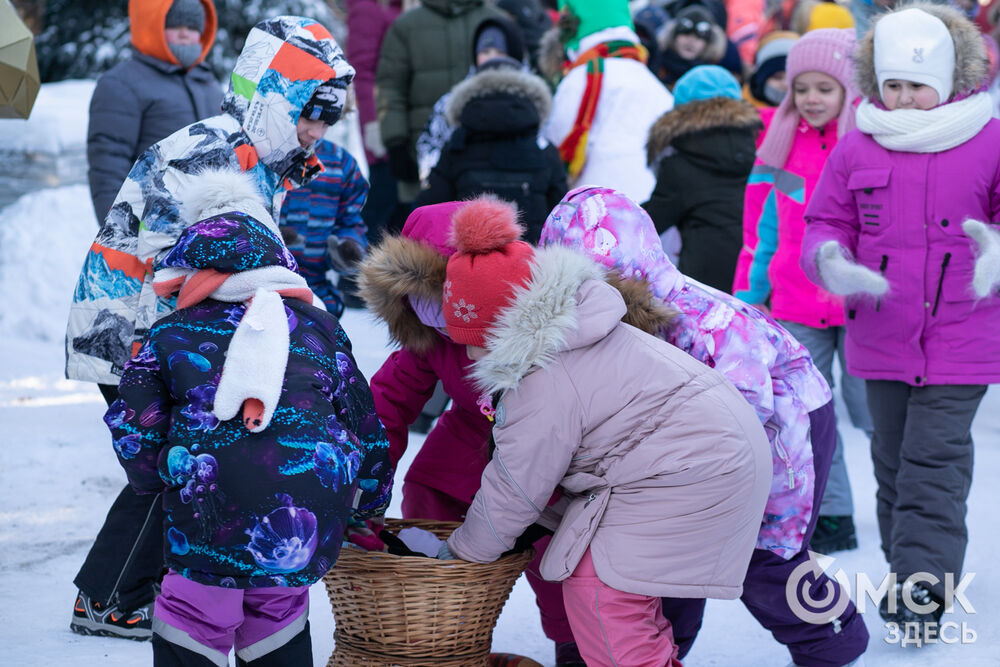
(643, 309)
(395, 269)
(492, 81)
(970, 52)
(698, 116)
(540, 322)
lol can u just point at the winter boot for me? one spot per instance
(834, 533)
(93, 618)
(568, 655)
(921, 597)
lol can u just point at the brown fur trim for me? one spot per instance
(395, 269)
(643, 309)
(509, 81)
(970, 52)
(698, 116)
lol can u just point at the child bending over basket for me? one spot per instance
(664, 467)
(245, 409)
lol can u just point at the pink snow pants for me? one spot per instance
(614, 628)
(209, 620)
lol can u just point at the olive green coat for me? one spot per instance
(426, 51)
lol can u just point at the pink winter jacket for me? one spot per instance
(664, 465)
(773, 226)
(902, 214)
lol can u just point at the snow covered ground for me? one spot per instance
(58, 476)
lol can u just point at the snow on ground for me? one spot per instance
(58, 120)
(59, 475)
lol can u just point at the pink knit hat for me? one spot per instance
(828, 50)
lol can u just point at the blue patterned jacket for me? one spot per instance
(249, 510)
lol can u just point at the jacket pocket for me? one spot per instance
(870, 187)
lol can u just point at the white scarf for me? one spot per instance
(258, 352)
(926, 131)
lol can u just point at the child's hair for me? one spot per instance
(828, 51)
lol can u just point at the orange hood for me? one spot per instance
(147, 19)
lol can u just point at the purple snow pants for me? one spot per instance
(198, 624)
(827, 645)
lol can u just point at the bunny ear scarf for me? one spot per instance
(255, 363)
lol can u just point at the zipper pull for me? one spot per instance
(791, 478)
(591, 499)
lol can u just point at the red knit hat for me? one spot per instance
(490, 263)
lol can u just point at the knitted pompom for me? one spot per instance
(484, 224)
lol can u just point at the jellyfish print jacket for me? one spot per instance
(243, 509)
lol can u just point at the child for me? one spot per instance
(702, 151)
(798, 138)
(767, 83)
(663, 465)
(245, 410)
(903, 223)
(775, 375)
(401, 282)
(324, 218)
(692, 39)
(496, 42)
(288, 63)
(495, 146)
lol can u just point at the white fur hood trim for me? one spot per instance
(539, 323)
(216, 191)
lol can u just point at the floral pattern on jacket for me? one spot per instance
(769, 367)
(243, 509)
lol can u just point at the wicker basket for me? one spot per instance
(403, 610)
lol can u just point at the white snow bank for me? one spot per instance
(44, 237)
(58, 121)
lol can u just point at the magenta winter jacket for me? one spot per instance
(454, 454)
(901, 214)
(456, 450)
(773, 226)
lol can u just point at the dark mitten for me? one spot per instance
(402, 166)
(344, 254)
(531, 534)
(290, 236)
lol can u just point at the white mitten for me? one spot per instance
(987, 272)
(372, 137)
(842, 276)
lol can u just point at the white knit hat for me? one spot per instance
(912, 45)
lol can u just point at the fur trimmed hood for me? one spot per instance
(698, 116)
(552, 313)
(508, 81)
(551, 56)
(643, 309)
(970, 52)
(392, 271)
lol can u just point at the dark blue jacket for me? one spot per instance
(249, 510)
